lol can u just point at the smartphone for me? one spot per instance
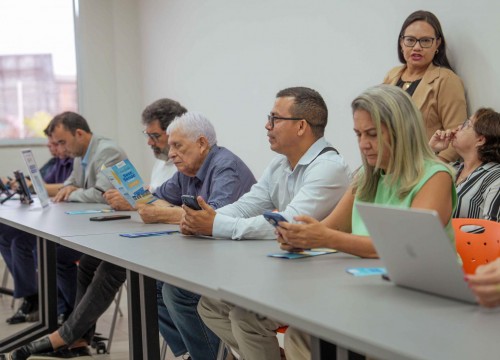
(109, 217)
(23, 190)
(273, 218)
(191, 202)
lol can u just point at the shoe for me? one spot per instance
(35, 347)
(81, 352)
(27, 312)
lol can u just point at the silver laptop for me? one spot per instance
(416, 250)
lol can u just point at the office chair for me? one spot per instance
(477, 242)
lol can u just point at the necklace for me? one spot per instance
(406, 85)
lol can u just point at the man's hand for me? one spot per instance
(63, 194)
(160, 213)
(116, 200)
(198, 222)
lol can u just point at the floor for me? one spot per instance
(119, 346)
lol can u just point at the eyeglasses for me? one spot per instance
(153, 136)
(411, 41)
(467, 124)
(271, 118)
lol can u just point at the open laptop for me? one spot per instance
(416, 250)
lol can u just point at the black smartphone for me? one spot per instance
(274, 218)
(23, 190)
(109, 217)
(191, 202)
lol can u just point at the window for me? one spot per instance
(37, 66)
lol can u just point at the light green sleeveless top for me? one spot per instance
(387, 195)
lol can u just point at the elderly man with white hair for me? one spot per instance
(216, 174)
(204, 169)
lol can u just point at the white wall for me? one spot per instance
(228, 59)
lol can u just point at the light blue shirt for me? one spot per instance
(313, 188)
(85, 161)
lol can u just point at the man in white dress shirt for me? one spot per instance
(308, 177)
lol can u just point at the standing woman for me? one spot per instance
(477, 141)
(426, 75)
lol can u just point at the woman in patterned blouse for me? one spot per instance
(477, 141)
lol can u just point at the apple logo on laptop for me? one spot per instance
(410, 251)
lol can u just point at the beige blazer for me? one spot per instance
(440, 96)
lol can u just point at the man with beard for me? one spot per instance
(156, 117)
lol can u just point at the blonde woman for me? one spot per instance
(399, 169)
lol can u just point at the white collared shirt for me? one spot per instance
(313, 188)
(162, 171)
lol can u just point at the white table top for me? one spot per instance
(365, 314)
(370, 315)
(197, 264)
(52, 222)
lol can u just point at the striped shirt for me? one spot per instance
(479, 194)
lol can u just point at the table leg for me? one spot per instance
(143, 317)
(321, 349)
(47, 294)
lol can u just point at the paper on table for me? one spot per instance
(96, 211)
(302, 254)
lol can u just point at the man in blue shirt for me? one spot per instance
(221, 177)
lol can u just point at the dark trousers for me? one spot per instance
(18, 250)
(98, 283)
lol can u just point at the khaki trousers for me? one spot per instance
(251, 335)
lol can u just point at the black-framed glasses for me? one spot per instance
(466, 124)
(271, 118)
(153, 136)
(411, 41)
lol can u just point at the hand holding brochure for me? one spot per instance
(128, 182)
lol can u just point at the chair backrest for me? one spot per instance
(476, 246)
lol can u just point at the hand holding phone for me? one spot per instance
(109, 217)
(274, 218)
(191, 202)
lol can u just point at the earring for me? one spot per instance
(437, 50)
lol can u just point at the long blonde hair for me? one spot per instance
(408, 144)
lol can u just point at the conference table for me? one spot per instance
(364, 314)
(49, 225)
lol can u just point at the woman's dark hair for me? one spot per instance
(487, 124)
(440, 59)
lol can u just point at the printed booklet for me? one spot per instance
(128, 182)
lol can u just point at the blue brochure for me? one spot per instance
(147, 234)
(302, 254)
(96, 211)
(366, 271)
